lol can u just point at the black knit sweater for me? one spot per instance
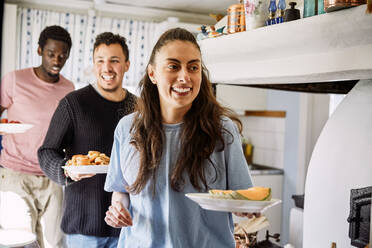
(83, 121)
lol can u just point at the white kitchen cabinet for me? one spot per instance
(274, 214)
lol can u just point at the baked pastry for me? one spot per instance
(93, 155)
(82, 160)
(92, 158)
(102, 159)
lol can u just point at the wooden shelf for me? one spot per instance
(265, 113)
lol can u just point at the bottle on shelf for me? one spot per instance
(281, 8)
(248, 150)
(272, 13)
(292, 13)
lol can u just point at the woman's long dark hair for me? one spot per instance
(202, 129)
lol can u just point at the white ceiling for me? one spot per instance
(192, 6)
(190, 11)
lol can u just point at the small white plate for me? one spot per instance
(206, 201)
(16, 238)
(87, 169)
(14, 127)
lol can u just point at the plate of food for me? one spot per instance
(11, 127)
(92, 163)
(252, 200)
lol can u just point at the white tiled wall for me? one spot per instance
(267, 137)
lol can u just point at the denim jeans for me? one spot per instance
(82, 241)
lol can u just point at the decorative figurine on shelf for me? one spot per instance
(281, 8)
(272, 13)
(215, 33)
(203, 34)
(209, 32)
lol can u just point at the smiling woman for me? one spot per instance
(179, 141)
(176, 72)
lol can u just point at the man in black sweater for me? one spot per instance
(85, 120)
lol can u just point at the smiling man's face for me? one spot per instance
(110, 65)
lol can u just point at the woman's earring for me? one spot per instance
(151, 76)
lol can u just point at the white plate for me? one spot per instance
(87, 169)
(14, 127)
(208, 202)
(16, 238)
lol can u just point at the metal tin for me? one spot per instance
(235, 18)
(332, 5)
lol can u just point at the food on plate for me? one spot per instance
(102, 160)
(253, 194)
(93, 158)
(93, 155)
(5, 120)
(224, 194)
(80, 160)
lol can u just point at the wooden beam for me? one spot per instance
(265, 113)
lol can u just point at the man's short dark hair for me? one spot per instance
(55, 33)
(109, 38)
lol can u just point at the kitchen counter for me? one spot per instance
(256, 169)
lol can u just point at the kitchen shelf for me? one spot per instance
(265, 113)
(331, 47)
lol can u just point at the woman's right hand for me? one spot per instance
(118, 216)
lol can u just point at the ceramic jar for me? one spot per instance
(256, 12)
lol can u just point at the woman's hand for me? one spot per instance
(249, 215)
(77, 176)
(118, 216)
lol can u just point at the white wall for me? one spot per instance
(241, 98)
(313, 114)
(267, 136)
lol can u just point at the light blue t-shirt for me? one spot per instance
(169, 219)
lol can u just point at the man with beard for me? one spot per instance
(84, 121)
(31, 96)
